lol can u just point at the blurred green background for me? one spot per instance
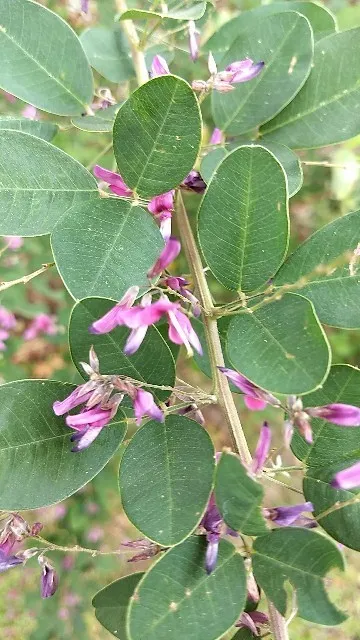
(94, 518)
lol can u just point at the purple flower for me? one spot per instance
(111, 319)
(8, 561)
(144, 405)
(7, 319)
(212, 549)
(182, 332)
(49, 578)
(114, 180)
(75, 398)
(347, 478)
(217, 137)
(249, 388)
(166, 257)
(345, 415)
(213, 524)
(254, 404)
(43, 323)
(242, 71)
(253, 621)
(193, 41)
(177, 283)
(89, 423)
(162, 207)
(9, 96)
(159, 67)
(194, 182)
(262, 448)
(30, 112)
(148, 549)
(290, 516)
(14, 242)
(84, 6)
(192, 411)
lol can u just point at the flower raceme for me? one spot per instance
(255, 398)
(235, 73)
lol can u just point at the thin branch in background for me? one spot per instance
(27, 278)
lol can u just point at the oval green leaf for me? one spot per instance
(166, 476)
(157, 135)
(52, 73)
(176, 599)
(108, 52)
(315, 118)
(38, 184)
(36, 462)
(335, 295)
(285, 43)
(153, 363)
(175, 10)
(38, 128)
(253, 219)
(303, 558)
(104, 248)
(103, 120)
(239, 497)
(281, 346)
(111, 604)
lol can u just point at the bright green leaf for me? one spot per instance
(253, 219)
(157, 135)
(103, 120)
(43, 62)
(176, 599)
(38, 184)
(335, 296)
(38, 128)
(166, 476)
(280, 347)
(239, 497)
(326, 109)
(302, 557)
(111, 604)
(37, 466)
(285, 43)
(152, 363)
(175, 10)
(108, 52)
(103, 249)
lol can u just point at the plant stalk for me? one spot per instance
(277, 623)
(138, 57)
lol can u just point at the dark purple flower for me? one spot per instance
(166, 257)
(288, 516)
(249, 388)
(345, 415)
(194, 182)
(262, 448)
(144, 405)
(253, 620)
(347, 478)
(8, 561)
(114, 180)
(213, 524)
(159, 67)
(49, 578)
(193, 41)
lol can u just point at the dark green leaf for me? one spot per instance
(211, 161)
(36, 462)
(111, 604)
(108, 52)
(157, 135)
(176, 599)
(336, 296)
(103, 120)
(252, 218)
(152, 363)
(321, 20)
(38, 184)
(40, 129)
(325, 111)
(285, 43)
(332, 443)
(239, 497)
(43, 60)
(103, 249)
(280, 347)
(303, 558)
(183, 10)
(166, 476)
(243, 634)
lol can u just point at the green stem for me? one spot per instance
(277, 623)
(138, 58)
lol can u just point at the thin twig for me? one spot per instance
(333, 165)
(99, 155)
(339, 505)
(27, 278)
(77, 549)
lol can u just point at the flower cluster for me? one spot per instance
(224, 81)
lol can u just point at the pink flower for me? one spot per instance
(159, 67)
(114, 180)
(193, 41)
(182, 332)
(7, 319)
(14, 242)
(177, 283)
(144, 405)
(251, 391)
(345, 415)
(217, 137)
(166, 257)
(30, 112)
(262, 449)
(111, 319)
(162, 207)
(42, 323)
(347, 478)
(9, 96)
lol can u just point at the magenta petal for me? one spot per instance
(287, 516)
(134, 340)
(95, 416)
(254, 404)
(115, 180)
(164, 202)
(345, 415)
(85, 438)
(347, 478)
(247, 73)
(144, 405)
(182, 332)
(73, 400)
(216, 136)
(262, 448)
(159, 67)
(168, 254)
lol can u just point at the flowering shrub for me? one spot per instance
(228, 137)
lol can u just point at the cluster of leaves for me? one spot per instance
(307, 96)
